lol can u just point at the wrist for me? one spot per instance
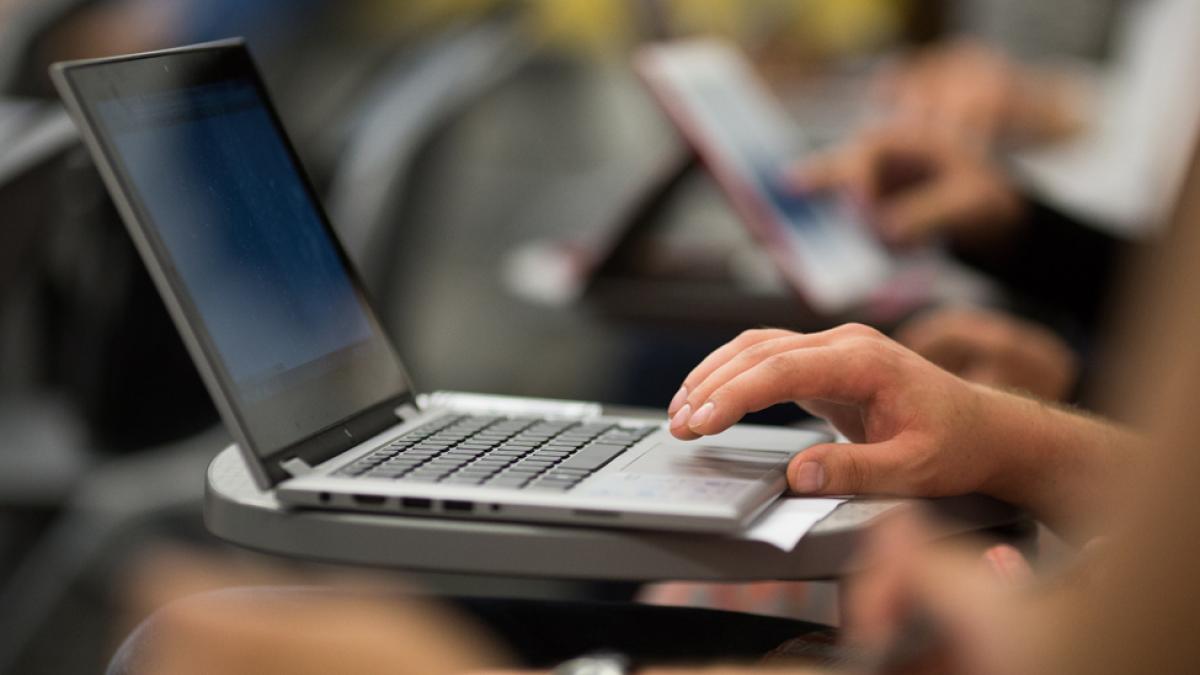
(1053, 462)
(1010, 431)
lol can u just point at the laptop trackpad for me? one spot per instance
(707, 461)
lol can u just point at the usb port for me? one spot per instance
(416, 503)
(370, 500)
(458, 506)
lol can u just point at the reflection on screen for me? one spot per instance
(217, 181)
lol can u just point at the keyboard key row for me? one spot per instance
(502, 452)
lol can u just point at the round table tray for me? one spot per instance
(238, 511)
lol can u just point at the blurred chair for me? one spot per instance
(65, 582)
(414, 97)
(21, 36)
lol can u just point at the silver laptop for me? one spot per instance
(296, 359)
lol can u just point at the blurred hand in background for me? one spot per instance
(974, 90)
(333, 627)
(916, 184)
(996, 349)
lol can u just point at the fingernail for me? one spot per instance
(701, 415)
(678, 400)
(996, 561)
(680, 419)
(809, 477)
(1012, 565)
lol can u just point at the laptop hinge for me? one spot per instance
(408, 412)
(295, 467)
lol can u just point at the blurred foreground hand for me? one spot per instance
(787, 599)
(996, 349)
(933, 608)
(344, 628)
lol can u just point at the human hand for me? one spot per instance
(334, 628)
(915, 184)
(995, 349)
(773, 598)
(915, 428)
(973, 90)
(922, 607)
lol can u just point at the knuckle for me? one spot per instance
(761, 350)
(856, 473)
(858, 330)
(726, 396)
(779, 365)
(750, 336)
(867, 348)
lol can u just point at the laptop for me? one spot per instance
(295, 356)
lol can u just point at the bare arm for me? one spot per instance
(916, 430)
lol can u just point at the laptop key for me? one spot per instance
(593, 456)
(505, 482)
(400, 461)
(554, 487)
(537, 463)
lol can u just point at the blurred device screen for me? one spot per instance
(720, 105)
(251, 258)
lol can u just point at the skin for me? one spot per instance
(975, 91)
(996, 349)
(915, 429)
(978, 345)
(917, 183)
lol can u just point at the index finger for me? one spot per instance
(821, 172)
(840, 374)
(720, 357)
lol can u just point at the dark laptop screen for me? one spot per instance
(261, 275)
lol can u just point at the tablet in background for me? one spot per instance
(719, 103)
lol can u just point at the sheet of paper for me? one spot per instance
(785, 522)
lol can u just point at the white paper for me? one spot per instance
(785, 522)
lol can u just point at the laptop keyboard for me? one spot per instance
(508, 452)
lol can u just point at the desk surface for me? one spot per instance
(237, 511)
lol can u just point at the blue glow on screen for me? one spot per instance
(215, 176)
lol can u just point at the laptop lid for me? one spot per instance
(268, 302)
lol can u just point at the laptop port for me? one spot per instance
(593, 513)
(416, 503)
(369, 500)
(458, 506)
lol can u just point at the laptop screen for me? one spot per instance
(254, 266)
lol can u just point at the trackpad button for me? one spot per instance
(707, 461)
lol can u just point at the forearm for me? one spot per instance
(1063, 466)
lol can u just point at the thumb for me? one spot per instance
(847, 469)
